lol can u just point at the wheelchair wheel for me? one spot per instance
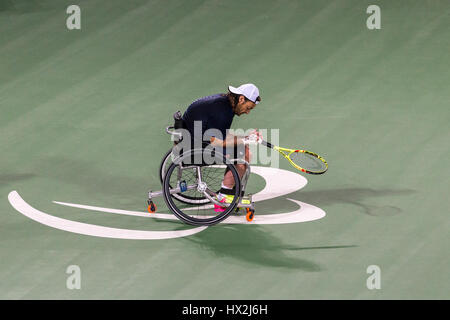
(165, 164)
(186, 177)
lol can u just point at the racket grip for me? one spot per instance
(267, 144)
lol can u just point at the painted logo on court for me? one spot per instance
(282, 182)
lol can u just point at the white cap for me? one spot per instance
(248, 90)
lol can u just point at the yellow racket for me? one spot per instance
(305, 161)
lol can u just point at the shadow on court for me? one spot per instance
(21, 6)
(6, 179)
(254, 245)
(95, 179)
(355, 196)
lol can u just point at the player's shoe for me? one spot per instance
(228, 199)
(225, 198)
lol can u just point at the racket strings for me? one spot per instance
(308, 161)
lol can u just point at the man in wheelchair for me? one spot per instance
(207, 122)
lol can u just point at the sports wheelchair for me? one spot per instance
(191, 180)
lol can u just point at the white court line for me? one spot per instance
(282, 182)
(306, 212)
(93, 230)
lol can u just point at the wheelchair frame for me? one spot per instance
(209, 195)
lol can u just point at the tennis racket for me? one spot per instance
(305, 161)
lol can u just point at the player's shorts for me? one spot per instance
(234, 152)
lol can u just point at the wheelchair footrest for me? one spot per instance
(246, 201)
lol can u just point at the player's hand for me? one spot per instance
(258, 134)
(254, 137)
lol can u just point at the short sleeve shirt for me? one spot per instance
(213, 112)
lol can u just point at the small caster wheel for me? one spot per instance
(250, 214)
(151, 207)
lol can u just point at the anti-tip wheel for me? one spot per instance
(250, 214)
(151, 207)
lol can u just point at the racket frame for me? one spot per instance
(287, 153)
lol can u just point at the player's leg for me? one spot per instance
(228, 180)
(226, 193)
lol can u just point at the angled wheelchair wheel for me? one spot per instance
(194, 180)
(184, 198)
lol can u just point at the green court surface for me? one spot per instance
(82, 121)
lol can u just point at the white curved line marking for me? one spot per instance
(306, 212)
(282, 182)
(279, 182)
(119, 211)
(92, 230)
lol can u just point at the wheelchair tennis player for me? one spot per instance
(208, 121)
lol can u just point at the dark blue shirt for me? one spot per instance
(214, 112)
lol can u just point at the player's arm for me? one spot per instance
(230, 140)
